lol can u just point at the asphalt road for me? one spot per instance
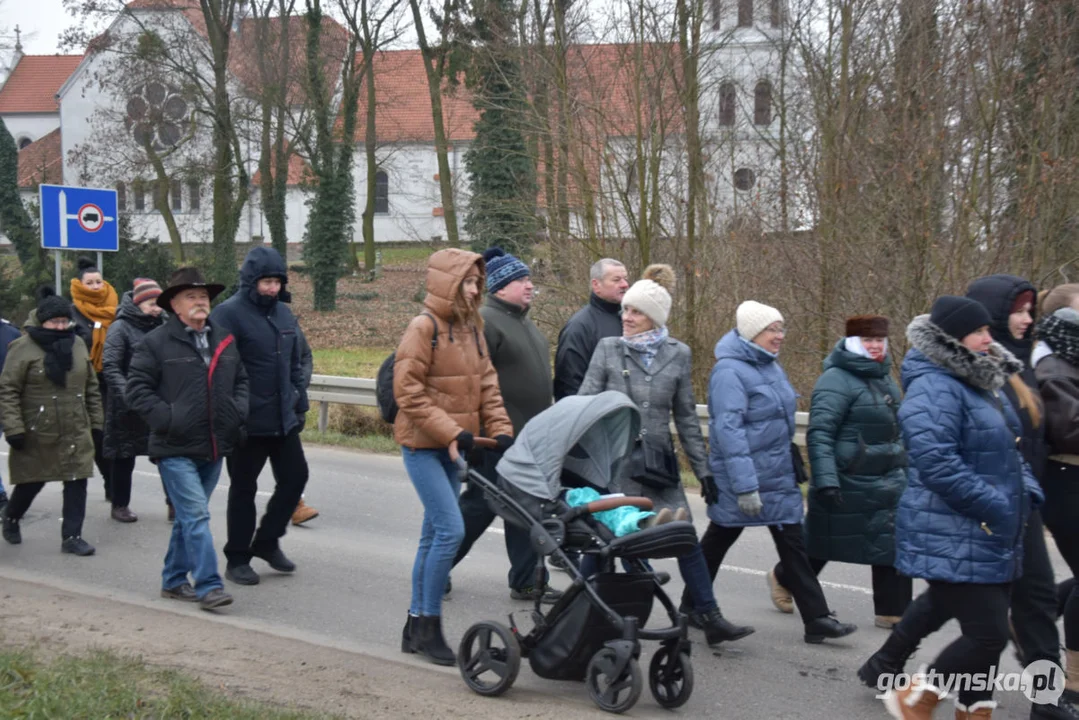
(352, 587)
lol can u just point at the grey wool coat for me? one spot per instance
(663, 388)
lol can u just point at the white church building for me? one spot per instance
(78, 121)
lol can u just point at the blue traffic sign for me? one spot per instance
(77, 218)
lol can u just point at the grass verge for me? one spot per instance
(104, 685)
(368, 443)
(362, 362)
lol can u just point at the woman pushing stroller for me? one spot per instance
(653, 369)
(446, 389)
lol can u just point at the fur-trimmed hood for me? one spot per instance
(934, 350)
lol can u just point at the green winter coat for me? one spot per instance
(56, 420)
(855, 444)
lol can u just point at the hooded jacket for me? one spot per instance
(126, 433)
(969, 492)
(578, 340)
(451, 387)
(751, 424)
(55, 420)
(997, 293)
(267, 337)
(855, 445)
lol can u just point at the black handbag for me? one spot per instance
(801, 477)
(652, 463)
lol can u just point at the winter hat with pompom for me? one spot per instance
(502, 269)
(650, 298)
(50, 305)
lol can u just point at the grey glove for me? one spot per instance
(750, 503)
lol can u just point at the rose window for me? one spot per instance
(155, 114)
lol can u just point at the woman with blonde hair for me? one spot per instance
(446, 390)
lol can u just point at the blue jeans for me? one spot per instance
(694, 572)
(191, 548)
(434, 476)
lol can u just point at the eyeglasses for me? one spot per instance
(781, 330)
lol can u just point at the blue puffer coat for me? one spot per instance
(751, 423)
(267, 337)
(969, 492)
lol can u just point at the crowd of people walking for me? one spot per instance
(949, 476)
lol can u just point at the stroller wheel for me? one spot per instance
(670, 676)
(613, 692)
(489, 658)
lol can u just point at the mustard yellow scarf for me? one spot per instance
(99, 307)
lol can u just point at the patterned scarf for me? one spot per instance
(1062, 336)
(647, 344)
(99, 307)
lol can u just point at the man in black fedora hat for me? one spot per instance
(187, 382)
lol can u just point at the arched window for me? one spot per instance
(138, 188)
(193, 191)
(762, 103)
(717, 13)
(121, 196)
(24, 141)
(631, 178)
(745, 13)
(727, 101)
(382, 193)
(744, 179)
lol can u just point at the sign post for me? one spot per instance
(77, 218)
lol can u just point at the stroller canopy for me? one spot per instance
(585, 434)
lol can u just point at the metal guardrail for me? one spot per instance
(329, 389)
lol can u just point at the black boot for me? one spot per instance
(407, 633)
(430, 642)
(719, 629)
(889, 660)
(827, 627)
(693, 618)
(1067, 708)
(11, 529)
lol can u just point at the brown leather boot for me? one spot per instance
(1071, 673)
(912, 703)
(303, 513)
(981, 710)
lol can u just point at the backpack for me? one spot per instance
(387, 403)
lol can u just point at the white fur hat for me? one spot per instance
(650, 298)
(753, 317)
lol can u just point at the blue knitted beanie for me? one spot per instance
(502, 269)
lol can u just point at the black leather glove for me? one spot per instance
(709, 490)
(505, 442)
(830, 496)
(465, 443)
(98, 436)
(17, 442)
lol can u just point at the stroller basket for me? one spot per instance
(582, 629)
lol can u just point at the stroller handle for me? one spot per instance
(611, 503)
(485, 443)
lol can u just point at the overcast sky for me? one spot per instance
(41, 22)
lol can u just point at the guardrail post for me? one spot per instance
(323, 416)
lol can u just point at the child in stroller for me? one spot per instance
(593, 633)
(623, 520)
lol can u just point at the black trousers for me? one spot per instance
(798, 574)
(120, 481)
(104, 464)
(1061, 485)
(478, 516)
(982, 612)
(290, 477)
(74, 504)
(891, 591)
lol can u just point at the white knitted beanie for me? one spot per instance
(650, 298)
(753, 317)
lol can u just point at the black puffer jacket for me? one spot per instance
(126, 434)
(578, 340)
(193, 411)
(997, 293)
(266, 336)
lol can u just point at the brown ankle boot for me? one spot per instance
(1071, 673)
(912, 703)
(981, 710)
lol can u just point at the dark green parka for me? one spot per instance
(855, 444)
(56, 420)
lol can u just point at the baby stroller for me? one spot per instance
(593, 632)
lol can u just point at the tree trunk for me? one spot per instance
(369, 145)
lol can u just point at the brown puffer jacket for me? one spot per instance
(451, 387)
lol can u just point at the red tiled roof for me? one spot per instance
(41, 161)
(298, 172)
(32, 85)
(403, 104)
